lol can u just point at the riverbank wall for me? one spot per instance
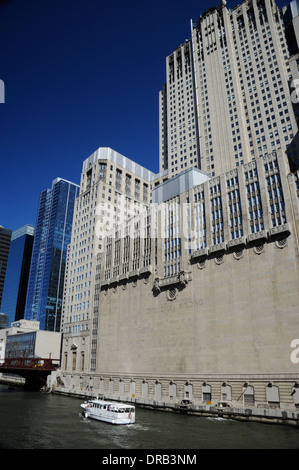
(255, 414)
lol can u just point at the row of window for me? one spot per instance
(194, 226)
(243, 394)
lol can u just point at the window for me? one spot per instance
(74, 360)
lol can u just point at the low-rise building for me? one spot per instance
(25, 339)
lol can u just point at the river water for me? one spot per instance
(32, 420)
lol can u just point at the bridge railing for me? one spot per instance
(30, 363)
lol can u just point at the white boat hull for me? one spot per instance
(109, 412)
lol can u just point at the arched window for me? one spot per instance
(248, 395)
(206, 393)
(272, 395)
(172, 391)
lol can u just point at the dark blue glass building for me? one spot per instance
(52, 235)
(5, 236)
(17, 273)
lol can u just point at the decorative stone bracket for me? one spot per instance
(275, 233)
(281, 231)
(132, 275)
(180, 280)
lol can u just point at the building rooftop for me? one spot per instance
(178, 184)
(106, 153)
(25, 230)
(62, 179)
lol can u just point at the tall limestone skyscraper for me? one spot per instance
(192, 296)
(227, 96)
(113, 188)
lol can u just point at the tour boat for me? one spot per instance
(110, 412)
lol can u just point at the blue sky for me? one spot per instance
(80, 74)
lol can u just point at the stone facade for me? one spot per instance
(195, 297)
(207, 317)
(112, 189)
(226, 98)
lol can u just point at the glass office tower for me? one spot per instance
(17, 273)
(5, 236)
(52, 236)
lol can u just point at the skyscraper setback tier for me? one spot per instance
(113, 188)
(52, 235)
(227, 96)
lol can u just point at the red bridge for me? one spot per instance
(34, 370)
